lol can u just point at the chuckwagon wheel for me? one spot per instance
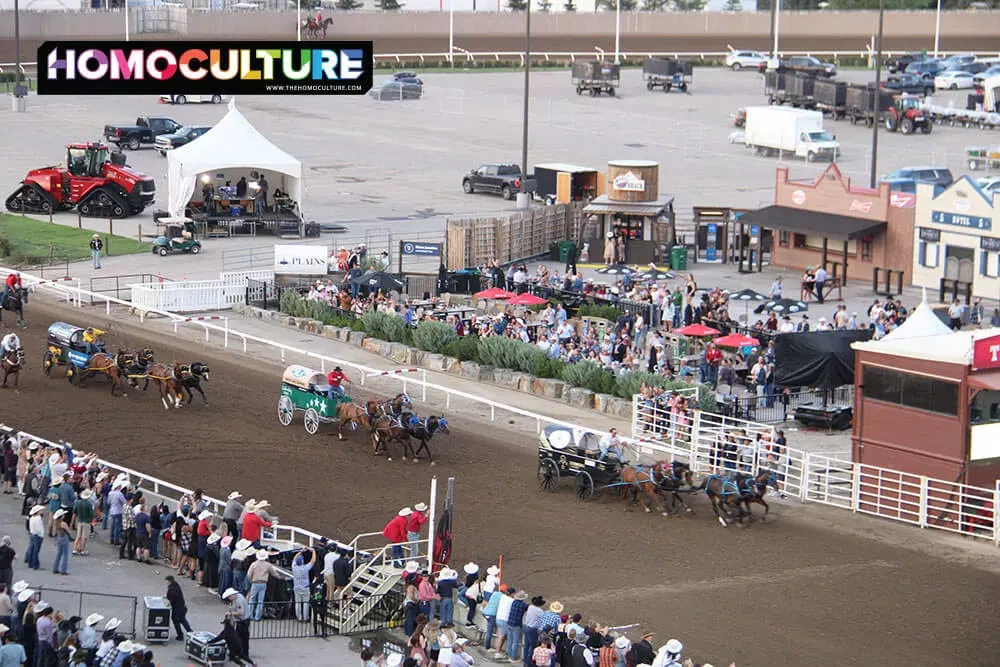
(73, 374)
(48, 361)
(548, 475)
(584, 485)
(285, 410)
(311, 421)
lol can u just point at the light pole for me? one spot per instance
(876, 98)
(937, 29)
(618, 28)
(298, 20)
(451, 32)
(777, 26)
(125, 7)
(527, 79)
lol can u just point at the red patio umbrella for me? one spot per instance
(736, 340)
(697, 331)
(527, 300)
(493, 293)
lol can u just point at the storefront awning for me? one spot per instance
(602, 205)
(830, 225)
(990, 380)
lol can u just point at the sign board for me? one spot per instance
(629, 182)
(300, 260)
(959, 220)
(711, 238)
(420, 249)
(860, 206)
(902, 199)
(989, 243)
(930, 235)
(986, 353)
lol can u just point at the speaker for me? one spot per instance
(831, 417)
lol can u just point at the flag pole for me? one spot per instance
(431, 524)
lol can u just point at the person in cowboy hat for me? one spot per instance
(669, 655)
(259, 573)
(642, 651)
(254, 523)
(96, 245)
(532, 624)
(335, 379)
(446, 585)
(414, 524)
(36, 529)
(395, 532)
(83, 514)
(87, 636)
(232, 513)
(237, 651)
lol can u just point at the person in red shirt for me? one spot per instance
(12, 283)
(713, 358)
(414, 524)
(252, 524)
(335, 379)
(395, 532)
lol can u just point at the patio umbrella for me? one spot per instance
(736, 340)
(493, 293)
(378, 280)
(697, 331)
(782, 306)
(615, 270)
(657, 274)
(746, 296)
(527, 300)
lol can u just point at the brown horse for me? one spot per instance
(386, 429)
(133, 365)
(344, 300)
(673, 477)
(163, 379)
(11, 364)
(353, 414)
(756, 494)
(391, 408)
(735, 493)
(100, 363)
(643, 483)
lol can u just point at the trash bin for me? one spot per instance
(567, 250)
(554, 251)
(679, 258)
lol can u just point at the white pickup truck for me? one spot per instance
(780, 130)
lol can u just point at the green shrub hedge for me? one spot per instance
(493, 351)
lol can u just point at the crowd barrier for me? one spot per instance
(925, 502)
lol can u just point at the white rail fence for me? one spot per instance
(925, 502)
(717, 444)
(192, 296)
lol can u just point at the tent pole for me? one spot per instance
(843, 278)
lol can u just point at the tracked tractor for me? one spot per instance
(95, 181)
(906, 115)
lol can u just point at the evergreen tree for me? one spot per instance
(389, 5)
(654, 5)
(627, 5)
(517, 5)
(569, 6)
(689, 5)
(544, 6)
(733, 6)
(348, 5)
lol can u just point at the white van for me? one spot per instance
(184, 99)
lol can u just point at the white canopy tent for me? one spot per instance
(233, 143)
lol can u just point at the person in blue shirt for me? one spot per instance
(12, 654)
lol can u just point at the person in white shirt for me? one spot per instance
(955, 314)
(786, 325)
(36, 532)
(775, 291)
(328, 560)
(822, 325)
(820, 282)
(459, 658)
(503, 613)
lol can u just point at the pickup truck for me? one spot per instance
(495, 177)
(806, 64)
(145, 131)
(182, 137)
(913, 84)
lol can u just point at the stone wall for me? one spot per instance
(405, 355)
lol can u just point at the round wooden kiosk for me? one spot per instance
(633, 180)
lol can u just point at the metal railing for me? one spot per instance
(82, 603)
(114, 285)
(287, 620)
(779, 405)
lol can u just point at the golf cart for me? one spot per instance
(178, 236)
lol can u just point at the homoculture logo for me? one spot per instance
(224, 68)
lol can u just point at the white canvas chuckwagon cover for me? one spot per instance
(302, 377)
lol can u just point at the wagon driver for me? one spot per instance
(92, 340)
(12, 283)
(11, 343)
(611, 446)
(335, 379)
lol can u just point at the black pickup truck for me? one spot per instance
(145, 131)
(495, 177)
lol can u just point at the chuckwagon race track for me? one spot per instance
(811, 587)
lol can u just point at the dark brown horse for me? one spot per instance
(189, 377)
(756, 494)
(423, 430)
(170, 390)
(734, 494)
(642, 483)
(386, 429)
(11, 363)
(674, 476)
(133, 365)
(353, 414)
(100, 363)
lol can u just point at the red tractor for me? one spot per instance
(906, 115)
(96, 181)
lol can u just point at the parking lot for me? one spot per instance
(380, 163)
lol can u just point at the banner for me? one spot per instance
(420, 249)
(300, 260)
(205, 68)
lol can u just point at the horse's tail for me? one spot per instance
(702, 486)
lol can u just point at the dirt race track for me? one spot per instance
(812, 587)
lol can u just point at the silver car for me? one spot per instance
(406, 88)
(737, 60)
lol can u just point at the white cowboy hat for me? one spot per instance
(59, 513)
(234, 495)
(138, 647)
(41, 606)
(227, 540)
(412, 566)
(112, 624)
(622, 642)
(471, 568)
(420, 507)
(25, 595)
(87, 493)
(122, 475)
(230, 592)
(261, 554)
(32, 446)
(406, 511)
(394, 660)
(239, 554)
(243, 545)
(53, 458)
(36, 509)
(204, 515)
(20, 585)
(56, 482)
(261, 505)
(447, 573)
(125, 647)
(674, 646)
(94, 619)
(493, 569)
(250, 504)
(213, 538)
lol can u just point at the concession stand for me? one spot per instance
(634, 209)
(828, 221)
